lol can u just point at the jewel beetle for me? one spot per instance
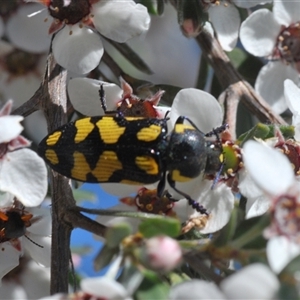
(133, 150)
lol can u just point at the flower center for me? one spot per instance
(147, 201)
(19, 62)
(288, 44)
(286, 216)
(69, 12)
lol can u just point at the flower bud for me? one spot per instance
(161, 253)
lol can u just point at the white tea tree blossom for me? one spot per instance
(226, 19)
(272, 172)
(275, 36)
(22, 172)
(77, 44)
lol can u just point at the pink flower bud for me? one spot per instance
(161, 254)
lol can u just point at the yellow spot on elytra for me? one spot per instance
(126, 181)
(107, 164)
(221, 157)
(53, 138)
(180, 128)
(84, 128)
(133, 118)
(147, 163)
(176, 176)
(51, 156)
(149, 134)
(81, 168)
(109, 130)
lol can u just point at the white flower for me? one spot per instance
(23, 230)
(237, 286)
(105, 288)
(272, 172)
(22, 172)
(292, 96)
(20, 72)
(84, 95)
(274, 35)
(31, 282)
(79, 48)
(226, 19)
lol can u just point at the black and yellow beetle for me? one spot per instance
(132, 150)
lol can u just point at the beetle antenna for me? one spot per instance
(33, 242)
(102, 98)
(194, 204)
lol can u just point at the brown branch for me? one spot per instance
(229, 77)
(53, 101)
(75, 218)
(31, 105)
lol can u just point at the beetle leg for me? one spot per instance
(161, 185)
(194, 204)
(217, 130)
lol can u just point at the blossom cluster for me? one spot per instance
(262, 170)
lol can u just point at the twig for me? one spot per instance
(229, 78)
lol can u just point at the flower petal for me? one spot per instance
(103, 287)
(29, 33)
(292, 96)
(240, 285)
(10, 128)
(41, 255)
(9, 257)
(36, 280)
(259, 32)
(247, 4)
(84, 95)
(195, 289)
(286, 12)
(23, 173)
(258, 207)
(199, 106)
(269, 83)
(120, 20)
(280, 251)
(268, 167)
(43, 225)
(219, 203)
(226, 21)
(77, 49)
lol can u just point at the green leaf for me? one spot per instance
(155, 7)
(292, 267)
(249, 233)
(152, 287)
(287, 291)
(115, 234)
(246, 64)
(167, 226)
(192, 10)
(288, 131)
(83, 195)
(264, 131)
(259, 131)
(104, 257)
